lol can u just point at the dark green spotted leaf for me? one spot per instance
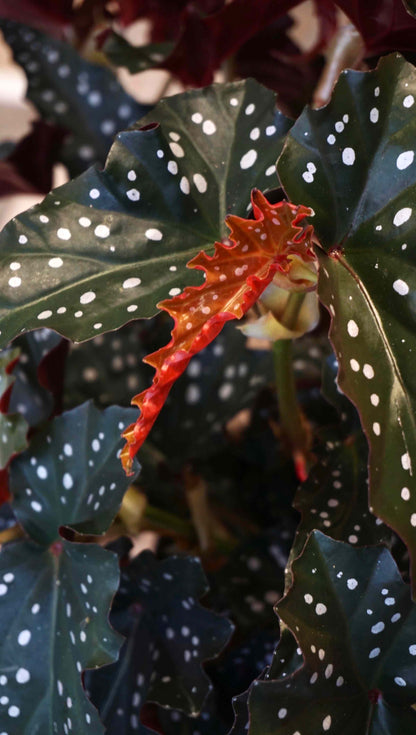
(353, 163)
(334, 498)
(355, 623)
(84, 98)
(169, 637)
(71, 474)
(252, 581)
(107, 246)
(53, 610)
(135, 58)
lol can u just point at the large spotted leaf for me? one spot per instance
(169, 636)
(110, 244)
(354, 620)
(71, 474)
(83, 98)
(353, 163)
(54, 606)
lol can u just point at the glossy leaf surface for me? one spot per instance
(83, 98)
(109, 245)
(357, 173)
(235, 276)
(350, 681)
(170, 635)
(53, 608)
(71, 475)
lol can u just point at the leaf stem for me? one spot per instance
(291, 418)
(346, 50)
(11, 534)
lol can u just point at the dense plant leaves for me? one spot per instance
(334, 499)
(54, 604)
(37, 389)
(27, 167)
(210, 38)
(350, 681)
(71, 475)
(234, 672)
(59, 18)
(235, 276)
(273, 59)
(220, 381)
(77, 95)
(230, 30)
(252, 581)
(367, 270)
(13, 427)
(169, 636)
(86, 269)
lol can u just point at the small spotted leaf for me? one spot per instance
(334, 498)
(355, 623)
(252, 581)
(169, 636)
(235, 276)
(107, 246)
(357, 171)
(54, 606)
(71, 475)
(77, 95)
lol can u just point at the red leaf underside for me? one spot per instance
(235, 276)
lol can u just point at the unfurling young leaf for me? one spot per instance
(236, 275)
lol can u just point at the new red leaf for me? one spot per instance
(235, 276)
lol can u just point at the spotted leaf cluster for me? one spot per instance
(170, 636)
(107, 246)
(338, 593)
(235, 276)
(77, 452)
(82, 98)
(364, 166)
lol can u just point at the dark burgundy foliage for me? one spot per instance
(28, 169)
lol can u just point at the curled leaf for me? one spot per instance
(270, 325)
(235, 276)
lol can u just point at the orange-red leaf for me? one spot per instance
(236, 275)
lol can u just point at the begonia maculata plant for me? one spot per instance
(207, 385)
